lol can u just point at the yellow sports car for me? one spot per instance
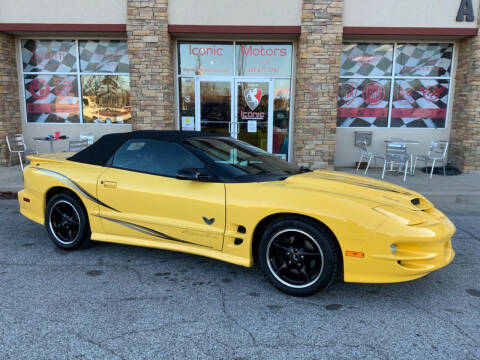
(219, 197)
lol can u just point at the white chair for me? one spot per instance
(77, 145)
(16, 144)
(396, 154)
(437, 152)
(364, 153)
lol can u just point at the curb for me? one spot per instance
(443, 198)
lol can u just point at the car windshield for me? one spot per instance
(237, 158)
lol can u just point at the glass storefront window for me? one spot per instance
(420, 80)
(263, 59)
(187, 103)
(51, 98)
(366, 60)
(55, 79)
(103, 56)
(106, 99)
(363, 102)
(212, 59)
(281, 117)
(49, 56)
(238, 89)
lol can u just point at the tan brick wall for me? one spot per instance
(318, 70)
(151, 65)
(465, 135)
(10, 118)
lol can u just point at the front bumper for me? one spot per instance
(420, 249)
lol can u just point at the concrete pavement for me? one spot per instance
(121, 302)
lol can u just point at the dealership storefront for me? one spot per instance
(298, 80)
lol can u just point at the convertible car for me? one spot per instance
(219, 197)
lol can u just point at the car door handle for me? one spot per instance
(109, 184)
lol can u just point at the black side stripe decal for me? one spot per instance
(146, 230)
(75, 186)
(359, 183)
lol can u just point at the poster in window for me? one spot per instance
(49, 56)
(103, 56)
(363, 102)
(51, 98)
(366, 59)
(420, 103)
(434, 60)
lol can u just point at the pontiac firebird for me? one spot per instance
(215, 196)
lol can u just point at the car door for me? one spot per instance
(145, 201)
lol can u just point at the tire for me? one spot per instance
(67, 223)
(298, 257)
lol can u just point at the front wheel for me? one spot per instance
(66, 222)
(298, 257)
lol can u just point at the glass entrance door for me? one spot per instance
(215, 106)
(254, 112)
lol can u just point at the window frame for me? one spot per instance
(78, 73)
(394, 77)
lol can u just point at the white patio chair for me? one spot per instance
(77, 145)
(437, 152)
(364, 153)
(16, 144)
(396, 154)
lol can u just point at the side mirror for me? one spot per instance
(192, 174)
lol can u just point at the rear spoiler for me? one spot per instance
(49, 158)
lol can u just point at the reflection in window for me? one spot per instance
(106, 98)
(281, 117)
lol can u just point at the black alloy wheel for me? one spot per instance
(66, 222)
(298, 256)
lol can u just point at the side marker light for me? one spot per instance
(358, 254)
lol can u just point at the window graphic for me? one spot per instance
(56, 78)
(414, 78)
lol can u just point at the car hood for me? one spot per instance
(360, 187)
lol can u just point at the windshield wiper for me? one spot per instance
(304, 169)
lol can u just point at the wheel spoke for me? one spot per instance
(277, 245)
(58, 210)
(73, 220)
(304, 272)
(282, 268)
(70, 234)
(309, 254)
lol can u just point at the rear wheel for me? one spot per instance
(67, 223)
(298, 257)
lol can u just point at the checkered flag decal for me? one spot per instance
(366, 60)
(49, 56)
(104, 56)
(424, 60)
(420, 103)
(363, 102)
(52, 98)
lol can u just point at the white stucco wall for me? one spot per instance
(405, 13)
(235, 12)
(64, 11)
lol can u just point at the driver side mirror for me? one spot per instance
(192, 174)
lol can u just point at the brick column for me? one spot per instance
(151, 65)
(318, 70)
(10, 118)
(465, 135)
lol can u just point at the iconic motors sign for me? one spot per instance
(217, 59)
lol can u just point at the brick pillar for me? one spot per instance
(318, 71)
(465, 135)
(151, 65)
(10, 118)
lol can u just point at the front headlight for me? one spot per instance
(404, 216)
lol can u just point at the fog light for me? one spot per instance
(393, 248)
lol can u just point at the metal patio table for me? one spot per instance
(51, 140)
(406, 143)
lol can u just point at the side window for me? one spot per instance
(155, 157)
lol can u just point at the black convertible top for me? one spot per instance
(102, 150)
